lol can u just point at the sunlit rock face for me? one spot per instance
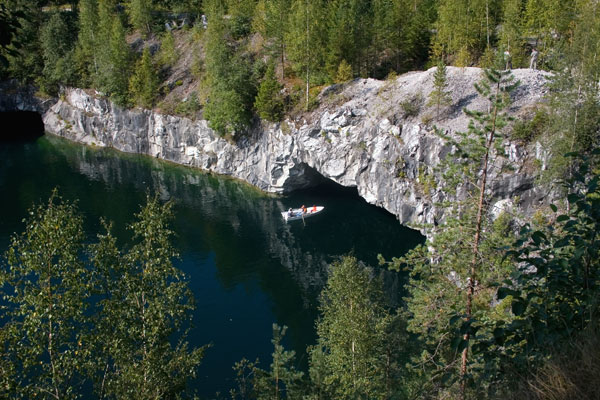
(377, 136)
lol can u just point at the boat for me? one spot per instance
(297, 213)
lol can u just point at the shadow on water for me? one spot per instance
(20, 126)
(246, 266)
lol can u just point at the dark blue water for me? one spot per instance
(246, 267)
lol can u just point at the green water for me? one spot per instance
(246, 267)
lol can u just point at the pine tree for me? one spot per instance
(443, 283)
(276, 28)
(24, 55)
(344, 72)
(168, 54)
(439, 96)
(86, 55)
(231, 87)
(282, 379)
(57, 47)
(306, 41)
(465, 27)
(140, 15)
(144, 84)
(102, 50)
(512, 33)
(350, 334)
(349, 35)
(269, 103)
(119, 64)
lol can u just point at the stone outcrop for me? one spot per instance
(377, 136)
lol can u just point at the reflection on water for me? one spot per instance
(246, 266)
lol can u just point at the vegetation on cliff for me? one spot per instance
(489, 301)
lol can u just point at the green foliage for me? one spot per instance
(168, 53)
(352, 334)
(117, 321)
(25, 62)
(48, 304)
(9, 20)
(86, 56)
(529, 130)
(240, 12)
(276, 26)
(143, 84)
(146, 302)
(189, 107)
(439, 96)
(412, 107)
(269, 103)
(450, 300)
(140, 15)
(306, 42)
(57, 48)
(554, 292)
(232, 87)
(512, 37)
(113, 54)
(348, 38)
(344, 72)
(465, 28)
(282, 380)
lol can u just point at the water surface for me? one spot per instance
(246, 267)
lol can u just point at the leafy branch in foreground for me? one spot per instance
(118, 321)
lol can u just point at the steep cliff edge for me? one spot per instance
(373, 135)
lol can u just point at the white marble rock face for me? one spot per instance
(364, 141)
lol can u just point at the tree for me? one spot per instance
(554, 292)
(143, 84)
(512, 33)
(344, 72)
(282, 380)
(241, 12)
(465, 26)
(306, 41)
(269, 103)
(276, 28)
(439, 96)
(24, 55)
(231, 87)
(145, 305)
(450, 300)
(349, 23)
(168, 54)
(10, 27)
(85, 53)
(348, 353)
(140, 15)
(47, 309)
(119, 64)
(117, 320)
(57, 47)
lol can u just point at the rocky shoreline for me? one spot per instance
(377, 136)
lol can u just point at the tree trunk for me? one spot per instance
(476, 239)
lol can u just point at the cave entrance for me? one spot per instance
(20, 126)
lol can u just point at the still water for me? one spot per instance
(246, 267)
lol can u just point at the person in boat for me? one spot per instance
(303, 208)
(290, 213)
(314, 208)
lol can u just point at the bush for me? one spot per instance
(529, 130)
(412, 106)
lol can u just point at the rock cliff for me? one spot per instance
(377, 136)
